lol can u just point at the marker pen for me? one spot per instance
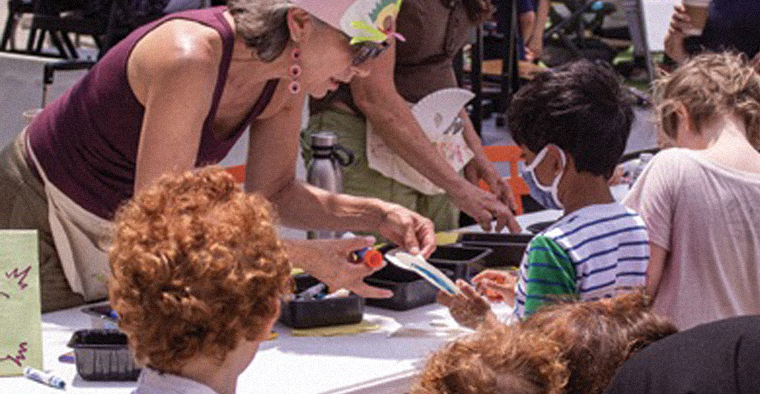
(44, 378)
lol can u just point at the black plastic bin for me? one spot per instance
(463, 261)
(310, 313)
(103, 355)
(507, 249)
(409, 289)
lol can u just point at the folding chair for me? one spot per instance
(106, 29)
(572, 30)
(507, 79)
(16, 9)
(237, 172)
(509, 154)
(49, 18)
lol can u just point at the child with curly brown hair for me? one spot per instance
(198, 271)
(562, 349)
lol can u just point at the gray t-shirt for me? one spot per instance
(708, 219)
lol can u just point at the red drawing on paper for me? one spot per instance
(21, 276)
(19, 355)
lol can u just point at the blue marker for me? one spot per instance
(44, 378)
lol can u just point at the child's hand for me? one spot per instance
(497, 285)
(468, 308)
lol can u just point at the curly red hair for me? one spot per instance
(197, 266)
(498, 360)
(597, 337)
(572, 348)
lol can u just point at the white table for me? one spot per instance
(365, 363)
(375, 362)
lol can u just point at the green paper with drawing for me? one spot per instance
(21, 327)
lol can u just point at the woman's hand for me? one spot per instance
(483, 206)
(481, 168)
(329, 261)
(496, 285)
(680, 22)
(467, 307)
(408, 229)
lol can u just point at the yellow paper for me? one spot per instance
(21, 327)
(336, 331)
(446, 237)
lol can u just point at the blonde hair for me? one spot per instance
(197, 266)
(709, 85)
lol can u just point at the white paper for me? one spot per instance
(418, 264)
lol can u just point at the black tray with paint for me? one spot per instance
(463, 261)
(103, 355)
(409, 289)
(311, 313)
(507, 249)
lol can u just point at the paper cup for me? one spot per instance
(698, 12)
(30, 114)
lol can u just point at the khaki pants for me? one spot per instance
(360, 180)
(23, 205)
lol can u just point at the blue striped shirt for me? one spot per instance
(603, 250)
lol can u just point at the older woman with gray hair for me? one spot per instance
(176, 94)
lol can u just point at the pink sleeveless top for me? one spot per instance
(86, 141)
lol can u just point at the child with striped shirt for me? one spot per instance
(572, 124)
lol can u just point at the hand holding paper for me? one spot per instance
(467, 307)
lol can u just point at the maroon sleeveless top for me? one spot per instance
(86, 141)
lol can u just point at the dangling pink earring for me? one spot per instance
(295, 71)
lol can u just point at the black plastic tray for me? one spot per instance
(463, 261)
(303, 313)
(409, 289)
(508, 249)
(103, 355)
(536, 228)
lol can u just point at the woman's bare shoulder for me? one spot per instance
(177, 44)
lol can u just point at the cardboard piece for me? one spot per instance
(20, 310)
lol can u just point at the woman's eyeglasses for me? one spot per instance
(368, 50)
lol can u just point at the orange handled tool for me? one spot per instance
(371, 257)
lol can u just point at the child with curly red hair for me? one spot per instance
(572, 348)
(198, 271)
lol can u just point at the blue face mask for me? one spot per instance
(544, 195)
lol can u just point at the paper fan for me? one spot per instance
(437, 111)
